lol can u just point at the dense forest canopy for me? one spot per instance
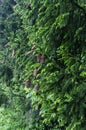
(42, 64)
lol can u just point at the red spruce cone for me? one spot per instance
(42, 60)
(28, 83)
(38, 58)
(36, 87)
(35, 72)
(28, 6)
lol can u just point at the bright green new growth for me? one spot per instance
(43, 65)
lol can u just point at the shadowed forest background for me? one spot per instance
(42, 64)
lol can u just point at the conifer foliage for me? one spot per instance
(43, 64)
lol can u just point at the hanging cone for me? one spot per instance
(28, 6)
(35, 72)
(36, 87)
(42, 60)
(38, 57)
(28, 83)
